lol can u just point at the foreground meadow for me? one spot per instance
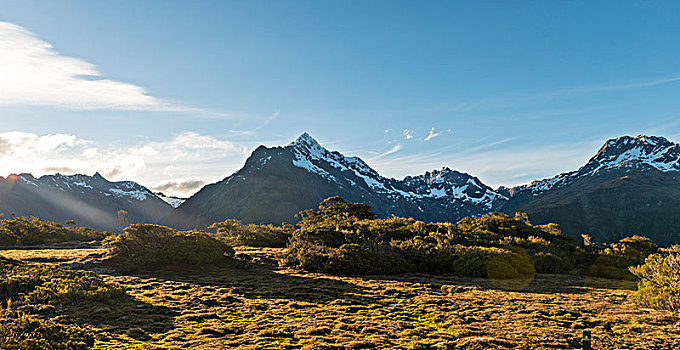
(258, 305)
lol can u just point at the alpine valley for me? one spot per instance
(630, 186)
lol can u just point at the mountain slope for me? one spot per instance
(89, 200)
(276, 183)
(631, 186)
(172, 200)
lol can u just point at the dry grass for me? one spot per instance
(259, 306)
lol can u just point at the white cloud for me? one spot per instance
(178, 164)
(32, 72)
(392, 150)
(432, 135)
(27, 152)
(183, 185)
(408, 134)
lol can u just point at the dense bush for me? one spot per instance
(19, 331)
(158, 246)
(21, 231)
(659, 285)
(234, 233)
(346, 238)
(613, 261)
(41, 284)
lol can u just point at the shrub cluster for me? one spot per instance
(21, 231)
(159, 246)
(346, 238)
(40, 284)
(613, 261)
(659, 285)
(235, 233)
(20, 331)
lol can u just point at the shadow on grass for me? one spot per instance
(258, 282)
(539, 284)
(119, 315)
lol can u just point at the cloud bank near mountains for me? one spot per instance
(32, 72)
(179, 166)
(186, 185)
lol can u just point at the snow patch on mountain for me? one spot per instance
(172, 200)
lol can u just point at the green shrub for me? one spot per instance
(21, 231)
(158, 246)
(659, 285)
(40, 284)
(549, 263)
(234, 233)
(348, 240)
(507, 265)
(345, 238)
(613, 262)
(19, 331)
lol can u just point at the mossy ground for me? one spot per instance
(260, 306)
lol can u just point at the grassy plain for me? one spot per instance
(257, 305)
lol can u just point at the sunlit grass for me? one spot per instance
(260, 306)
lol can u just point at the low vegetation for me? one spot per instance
(235, 234)
(154, 246)
(21, 331)
(50, 285)
(42, 287)
(268, 307)
(659, 285)
(22, 231)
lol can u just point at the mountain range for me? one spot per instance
(630, 186)
(89, 200)
(276, 183)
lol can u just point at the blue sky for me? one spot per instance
(175, 94)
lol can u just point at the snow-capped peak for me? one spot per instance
(307, 142)
(623, 153)
(641, 151)
(306, 151)
(308, 154)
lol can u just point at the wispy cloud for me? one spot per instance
(262, 125)
(32, 72)
(408, 134)
(392, 150)
(489, 145)
(432, 135)
(506, 166)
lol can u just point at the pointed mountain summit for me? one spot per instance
(630, 186)
(276, 183)
(89, 200)
(623, 154)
